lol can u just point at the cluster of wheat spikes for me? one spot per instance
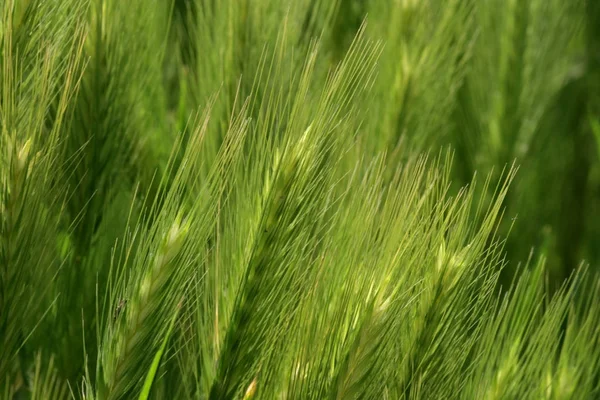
(276, 199)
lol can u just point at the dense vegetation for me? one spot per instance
(308, 199)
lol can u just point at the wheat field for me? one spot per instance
(299, 199)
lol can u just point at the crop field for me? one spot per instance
(300, 199)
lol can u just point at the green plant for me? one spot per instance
(235, 199)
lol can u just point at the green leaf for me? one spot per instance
(156, 362)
